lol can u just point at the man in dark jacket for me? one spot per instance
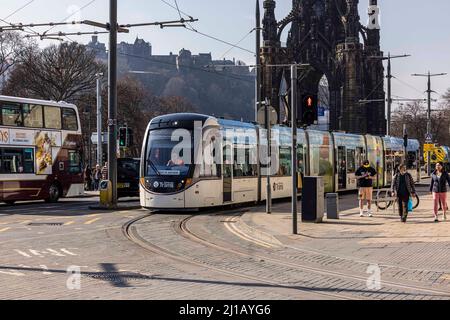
(439, 180)
(403, 188)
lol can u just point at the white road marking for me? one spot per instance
(55, 253)
(13, 273)
(36, 253)
(68, 252)
(22, 253)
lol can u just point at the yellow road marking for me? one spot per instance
(92, 221)
(25, 222)
(4, 229)
(69, 223)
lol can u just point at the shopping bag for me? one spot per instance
(410, 205)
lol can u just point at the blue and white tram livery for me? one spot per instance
(192, 161)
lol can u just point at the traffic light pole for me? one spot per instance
(294, 81)
(112, 103)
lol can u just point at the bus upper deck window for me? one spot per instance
(69, 119)
(11, 115)
(32, 116)
(52, 117)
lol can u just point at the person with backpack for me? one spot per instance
(438, 187)
(403, 188)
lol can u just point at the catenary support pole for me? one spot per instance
(112, 103)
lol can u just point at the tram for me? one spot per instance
(191, 161)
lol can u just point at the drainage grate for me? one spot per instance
(48, 224)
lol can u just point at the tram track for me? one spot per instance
(131, 233)
(181, 228)
(184, 230)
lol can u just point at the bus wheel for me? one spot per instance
(54, 193)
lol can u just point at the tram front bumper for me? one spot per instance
(161, 201)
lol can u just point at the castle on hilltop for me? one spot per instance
(138, 56)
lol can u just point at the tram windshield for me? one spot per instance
(165, 154)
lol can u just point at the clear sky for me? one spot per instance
(416, 27)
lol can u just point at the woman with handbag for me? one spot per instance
(403, 188)
(439, 180)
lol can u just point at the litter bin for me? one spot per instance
(105, 192)
(313, 199)
(332, 200)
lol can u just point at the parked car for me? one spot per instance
(128, 177)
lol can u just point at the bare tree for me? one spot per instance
(414, 115)
(56, 73)
(12, 48)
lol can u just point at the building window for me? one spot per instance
(69, 119)
(32, 116)
(52, 116)
(11, 115)
(16, 160)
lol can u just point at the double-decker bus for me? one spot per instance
(40, 150)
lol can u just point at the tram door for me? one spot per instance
(227, 173)
(342, 168)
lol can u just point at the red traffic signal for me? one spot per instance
(309, 114)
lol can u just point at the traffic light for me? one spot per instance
(123, 137)
(309, 110)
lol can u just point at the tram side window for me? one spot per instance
(32, 116)
(11, 114)
(285, 162)
(69, 119)
(16, 160)
(243, 164)
(351, 164)
(74, 162)
(52, 117)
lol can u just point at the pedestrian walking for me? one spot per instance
(87, 178)
(403, 188)
(438, 187)
(97, 175)
(365, 175)
(105, 171)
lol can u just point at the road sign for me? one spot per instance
(429, 137)
(94, 138)
(429, 147)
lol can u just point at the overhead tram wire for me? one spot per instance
(79, 10)
(408, 85)
(192, 29)
(237, 43)
(17, 10)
